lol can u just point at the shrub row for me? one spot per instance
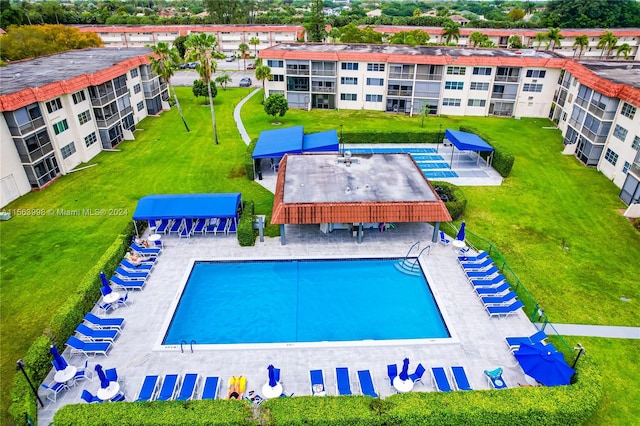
(246, 233)
(248, 159)
(62, 325)
(502, 158)
(457, 203)
(392, 137)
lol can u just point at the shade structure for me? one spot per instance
(104, 382)
(467, 141)
(404, 373)
(545, 366)
(272, 376)
(106, 288)
(58, 360)
(461, 232)
(188, 206)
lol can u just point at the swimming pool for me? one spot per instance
(303, 301)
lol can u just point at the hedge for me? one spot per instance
(502, 158)
(62, 325)
(392, 137)
(457, 203)
(246, 233)
(248, 159)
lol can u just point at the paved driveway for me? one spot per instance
(234, 69)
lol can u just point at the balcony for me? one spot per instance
(293, 71)
(329, 73)
(635, 169)
(429, 77)
(582, 102)
(401, 75)
(121, 91)
(323, 89)
(503, 95)
(103, 99)
(508, 78)
(27, 127)
(593, 137)
(126, 111)
(104, 123)
(399, 92)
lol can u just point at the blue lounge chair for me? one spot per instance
(480, 256)
(212, 226)
(488, 291)
(106, 307)
(188, 388)
(366, 383)
(149, 388)
(83, 373)
(187, 229)
(144, 251)
(89, 397)
(488, 273)
(125, 264)
(127, 284)
(210, 389)
(499, 300)
(444, 239)
(495, 378)
(498, 279)
(222, 226)
(169, 387)
(515, 342)
(53, 389)
(392, 373)
(342, 378)
(132, 276)
(104, 322)
(200, 226)
(417, 375)
(317, 382)
(460, 380)
(232, 226)
(99, 334)
(440, 379)
(164, 226)
(88, 348)
(504, 311)
(470, 266)
(176, 227)
(111, 374)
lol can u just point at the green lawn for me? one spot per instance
(549, 197)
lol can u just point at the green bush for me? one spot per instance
(246, 233)
(392, 137)
(248, 159)
(503, 159)
(636, 223)
(457, 203)
(329, 410)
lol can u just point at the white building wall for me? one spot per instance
(536, 104)
(623, 148)
(13, 180)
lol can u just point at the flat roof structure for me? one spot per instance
(621, 72)
(331, 188)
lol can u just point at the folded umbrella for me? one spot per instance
(58, 360)
(106, 288)
(104, 382)
(461, 232)
(272, 376)
(404, 373)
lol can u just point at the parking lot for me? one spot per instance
(186, 77)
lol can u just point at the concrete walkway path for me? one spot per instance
(595, 331)
(238, 119)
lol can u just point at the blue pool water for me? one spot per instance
(303, 301)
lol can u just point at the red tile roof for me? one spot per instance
(187, 29)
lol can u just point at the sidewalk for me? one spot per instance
(596, 331)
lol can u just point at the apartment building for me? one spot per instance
(602, 130)
(61, 110)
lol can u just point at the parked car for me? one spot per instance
(192, 65)
(251, 66)
(245, 82)
(230, 58)
(183, 65)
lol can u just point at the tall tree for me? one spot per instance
(581, 42)
(244, 49)
(163, 62)
(334, 33)
(202, 49)
(230, 11)
(624, 49)
(516, 14)
(451, 31)
(263, 72)
(255, 42)
(607, 42)
(554, 37)
(316, 26)
(514, 42)
(178, 43)
(591, 14)
(412, 38)
(477, 38)
(539, 39)
(529, 7)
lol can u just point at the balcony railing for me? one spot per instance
(121, 91)
(330, 73)
(103, 99)
(593, 137)
(429, 77)
(503, 95)
(399, 92)
(507, 78)
(297, 71)
(107, 121)
(401, 75)
(582, 102)
(126, 111)
(323, 89)
(635, 169)
(27, 127)
(502, 113)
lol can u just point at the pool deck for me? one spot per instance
(477, 343)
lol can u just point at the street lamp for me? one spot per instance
(20, 366)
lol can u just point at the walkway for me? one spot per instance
(595, 331)
(238, 119)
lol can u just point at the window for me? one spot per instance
(275, 63)
(536, 73)
(625, 168)
(477, 102)
(90, 139)
(636, 143)
(454, 85)
(134, 73)
(68, 150)
(620, 132)
(277, 77)
(349, 80)
(451, 102)
(136, 88)
(481, 71)
(628, 110)
(79, 97)
(479, 86)
(54, 105)
(375, 81)
(140, 105)
(350, 66)
(84, 117)
(456, 70)
(611, 156)
(348, 97)
(375, 67)
(60, 126)
(373, 98)
(532, 87)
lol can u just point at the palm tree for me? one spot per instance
(539, 39)
(581, 42)
(201, 48)
(263, 72)
(477, 38)
(451, 31)
(163, 62)
(334, 33)
(515, 42)
(554, 36)
(243, 48)
(607, 41)
(223, 80)
(255, 41)
(623, 49)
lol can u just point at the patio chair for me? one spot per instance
(515, 342)
(212, 226)
(440, 380)
(317, 383)
(106, 307)
(480, 256)
(89, 397)
(176, 227)
(222, 226)
(118, 398)
(342, 378)
(471, 266)
(187, 229)
(53, 389)
(481, 282)
(111, 374)
(169, 386)
(104, 322)
(460, 380)
(149, 388)
(188, 388)
(131, 276)
(504, 310)
(487, 273)
(123, 300)
(83, 373)
(144, 251)
(495, 378)
(232, 226)
(366, 383)
(164, 226)
(499, 300)
(141, 267)
(417, 375)
(127, 284)
(88, 348)
(200, 226)
(489, 291)
(210, 389)
(444, 240)
(392, 373)
(99, 334)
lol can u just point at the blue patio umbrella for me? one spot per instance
(58, 360)
(104, 382)
(106, 288)
(461, 232)
(545, 366)
(404, 373)
(272, 376)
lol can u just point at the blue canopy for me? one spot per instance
(321, 142)
(467, 141)
(277, 143)
(188, 206)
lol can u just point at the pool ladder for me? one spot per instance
(410, 266)
(184, 342)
